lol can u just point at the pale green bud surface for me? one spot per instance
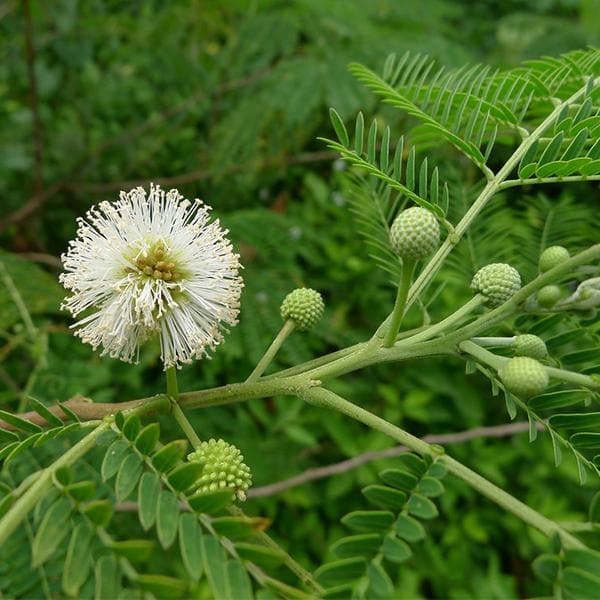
(304, 306)
(549, 295)
(224, 468)
(497, 283)
(415, 233)
(524, 377)
(552, 257)
(530, 345)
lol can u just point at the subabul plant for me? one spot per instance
(153, 265)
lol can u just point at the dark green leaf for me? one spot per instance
(128, 476)
(167, 518)
(236, 527)
(148, 492)
(78, 561)
(339, 127)
(576, 420)
(8, 436)
(147, 438)
(365, 544)
(81, 491)
(261, 555)
(162, 586)
(410, 529)
(99, 512)
(107, 578)
(559, 399)
(368, 520)
(547, 567)
(113, 458)
(431, 487)
(413, 463)
(588, 560)
(580, 583)
(19, 423)
(340, 571)
(585, 440)
(399, 479)
(380, 584)
(239, 582)
(395, 550)
(384, 496)
(168, 456)
(44, 412)
(184, 476)
(421, 507)
(131, 427)
(211, 502)
(190, 545)
(594, 512)
(51, 532)
(133, 550)
(215, 566)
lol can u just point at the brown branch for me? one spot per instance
(38, 129)
(353, 463)
(202, 174)
(40, 257)
(40, 198)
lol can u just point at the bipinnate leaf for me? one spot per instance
(421, 507)
(113, 458)
(385, 497)
(148, 492)
(81, 490)
(99, 512)
(366, 544)
(211, 502)
(547, 567)
(131, 427)
(430, 487)
(146, 439)
(410, 529)
(340, 571)
(261, 555)
(162, 586)
(107, 577)
(190, 545)
(215, 566)
(399, 479)
(184, 476)
(380, 584)
(580, 583)
(78, 561)
(51, 531)
(395, 550)
(167, 518)
(239, 581)
(168, 456)
(368, 520)
(133, 550)
(128, 476)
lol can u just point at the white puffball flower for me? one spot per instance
(152, 264)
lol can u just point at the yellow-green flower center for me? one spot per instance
(155, 262)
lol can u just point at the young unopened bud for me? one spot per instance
(415, 233)
(548, 296)
(524, 377)
(497, 283)
(552, 257)
(224, 468)
(303, 306)
(530, 345)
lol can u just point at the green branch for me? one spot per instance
(326, 399)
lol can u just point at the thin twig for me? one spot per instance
(38, 129)
(496, 431)
(38, 199)
(353, 463)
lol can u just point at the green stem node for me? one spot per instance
(408, 269)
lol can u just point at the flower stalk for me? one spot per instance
(269, 355)
(182, 420)
(399, 307)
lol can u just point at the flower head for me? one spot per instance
(152, 264)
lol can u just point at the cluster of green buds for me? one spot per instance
(551, 257)
(524, 376)
(415, 233)
(223, 468)
(497, 283)
(304, 307)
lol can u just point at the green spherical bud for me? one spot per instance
(303, 306)
(549, 295)
(497, 283)
(524, 377)
(530, 345)
(224, 468)
(415, 233)
(553, 256)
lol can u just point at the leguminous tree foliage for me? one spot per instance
(154, 265)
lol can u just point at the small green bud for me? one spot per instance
(530, 345)
(549, 295)
(524, 376)
(497, 282)
(415, 233)
(303, 306)
(552, 257)
(224, 468)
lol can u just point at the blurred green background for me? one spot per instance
(224, 100)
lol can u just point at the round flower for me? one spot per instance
(497, 282)
(523, 376)
(152, 264)
(223, 468)
(415, 233)
(549, 295)
(530, 345)
(552, 257)
(304, 306)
